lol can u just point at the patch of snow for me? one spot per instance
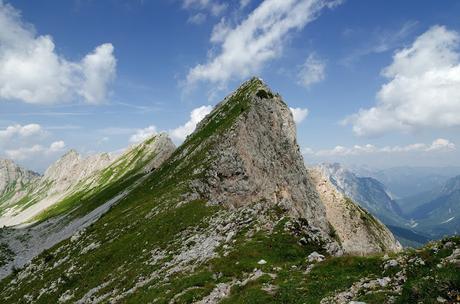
(448, 220)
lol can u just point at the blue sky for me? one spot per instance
(373, 83)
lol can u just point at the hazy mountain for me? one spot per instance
(437, 212)
(402, 182)
(232, 208)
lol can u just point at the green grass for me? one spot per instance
(157, 217)
(426, 282)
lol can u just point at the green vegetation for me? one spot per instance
(140, 249)
(429, 281)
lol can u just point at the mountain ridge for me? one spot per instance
(176, 238)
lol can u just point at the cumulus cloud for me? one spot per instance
(18, 130)
(438, 145)
(33, 72)
(299, 114)
(244, 49)
(35, 151)
(180, 133)
(312, 71)
(423, 88)
(98, 69)
(143, 134)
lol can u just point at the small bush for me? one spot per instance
(264, 94)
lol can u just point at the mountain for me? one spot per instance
(350, 221)
(13, 179)
(438, 211)
(231, 216)
(368, 192)
(74, 176)
(72, 194)
(372, 195)
(404, 182)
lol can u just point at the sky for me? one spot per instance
(369, 83)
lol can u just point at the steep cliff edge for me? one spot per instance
(257, 158)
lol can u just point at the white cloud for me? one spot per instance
(143, 134)
(438, 145)
(21, 131)
(245, 49)
(423, 89)
(312, 71)
(198, 18)
(56, 146)
(214, 7)
(36, 151)
(299, 114)
(441, 144)
(98, 70)
(196, 116)
(378, 41)
(244, 3)
(31, 71)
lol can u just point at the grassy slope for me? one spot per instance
(152, 218)
(124, 230)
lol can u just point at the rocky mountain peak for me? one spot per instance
(13, 177)
(72, 167)
(252, 156)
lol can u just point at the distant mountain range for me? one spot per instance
(430, 210)
(437, 211)
(408, 181)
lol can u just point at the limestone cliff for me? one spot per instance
(257, 159)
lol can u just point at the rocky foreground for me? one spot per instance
(231, 216)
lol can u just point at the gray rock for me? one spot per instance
(390, 264)
(258, 160)
(315, 257)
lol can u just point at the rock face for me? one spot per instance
(359, 232)
(258, 159)
(13, 177)
(72, 167)
(162, 147)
